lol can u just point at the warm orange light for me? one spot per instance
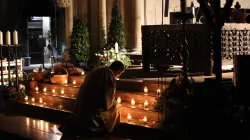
(132, 102)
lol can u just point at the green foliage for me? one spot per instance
(79, 50)
(173, 101)
(116, 27)
(106, 57)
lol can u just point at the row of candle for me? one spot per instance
(8, 38)
(146, 90)
(33, 99)
(45, 90)
(133, 102)
(129, 118)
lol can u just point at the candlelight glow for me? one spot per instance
(146, 104)
(158, 91)
(119, 100)
(146, 90)
(132, 102)
(129, 117)
(37, 89)
(62, 91)
(26, 98)
(82, 73)
(145, 119)
(53, 91)
(66, 82)
(44, 89)
(41, 100)
(33, 100)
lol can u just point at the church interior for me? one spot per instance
(186, 66)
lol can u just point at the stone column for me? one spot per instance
(102, 23)
(82, 9)
(68, 23)
(136, 25)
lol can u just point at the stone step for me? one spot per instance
(70, 89)
(54, 113)
(57, 93)
(123, 84)
(137, 85)
(139, 97)
(139, 113)
(67, 102)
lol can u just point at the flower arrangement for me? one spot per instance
(12, 93)
(106, 57)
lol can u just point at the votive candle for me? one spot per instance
(119, 100)
(158, 91)
(146, 90)
(33, 100)
(44, 89)
(36, 89)
(132, 102)
(82, 73)
(146, 104)
(41, 100)
(53, 91)
(26, 98)
(145, 119)
(62, 91)
(129, 117)
(74, 82)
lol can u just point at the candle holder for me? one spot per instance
(1, 57)
(16, 57)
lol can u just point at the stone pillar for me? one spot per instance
(102, 23)
(136, 25)
(68, 23)
(82, 9)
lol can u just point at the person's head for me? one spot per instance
(117, 67)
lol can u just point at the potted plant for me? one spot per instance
(79, 51)
(116, 27)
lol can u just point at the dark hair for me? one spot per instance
(117, 66)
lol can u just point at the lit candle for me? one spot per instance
(53, 91)
(129, 117)
(26, 98)
(116, 48)
(82, 73)
(33, 100)
(15, 38)
(74, 82)
(146, 104)
(158, 91)
(1, 38)
(65, 81)
(8, 38)
(146, 90)
(132, 102)
(145, 119)
(37, 89)
(41, 100)
(44, 89)
(119, 100)
(62, 91)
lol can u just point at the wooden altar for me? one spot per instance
(161, 46)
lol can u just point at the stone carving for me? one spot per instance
(64, 3)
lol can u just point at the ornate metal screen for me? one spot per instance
(235, 42)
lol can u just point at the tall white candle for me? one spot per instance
(1, 38)
(15, 38)
(8, 38)
(116, 48)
